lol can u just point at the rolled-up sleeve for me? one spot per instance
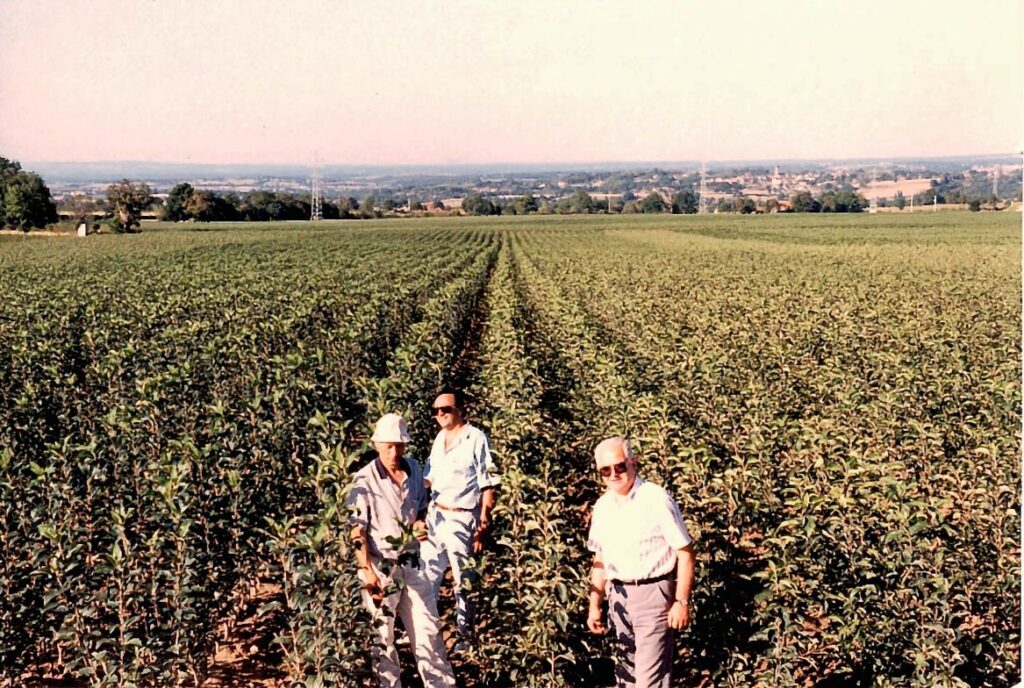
(671, 523)
(487, 472)
(358, 503)
(421, 496)
(593, 542)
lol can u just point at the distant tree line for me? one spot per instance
(684, 202)
(185, 203)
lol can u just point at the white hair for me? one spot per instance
(615, 442)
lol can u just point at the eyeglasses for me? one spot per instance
(606, 471)
(445, 410)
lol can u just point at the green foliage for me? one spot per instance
(685, 202)
(26, 202)
(127, 200)
(804, 202)
(652, 203)
(475, 204)
(174, 208)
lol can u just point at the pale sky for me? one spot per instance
(420, 82)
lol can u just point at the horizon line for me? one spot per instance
(565, 164)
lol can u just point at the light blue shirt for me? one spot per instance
(459, 474)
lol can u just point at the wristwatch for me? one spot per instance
(685, 603)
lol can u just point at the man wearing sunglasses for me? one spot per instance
(459, 473)
(643, 558)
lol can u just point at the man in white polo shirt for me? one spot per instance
(388, 497)
(459, 473)
(643, 556)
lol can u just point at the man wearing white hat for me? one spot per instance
(386, 495)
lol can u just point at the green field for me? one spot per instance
(834, 401)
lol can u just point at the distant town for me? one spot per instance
(93, 193)
(721, 188)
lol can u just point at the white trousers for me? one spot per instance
(416, 605)
(450, 543)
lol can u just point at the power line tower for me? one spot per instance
(874, 199)
(316, 198)
(701, 206)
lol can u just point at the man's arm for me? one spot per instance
(487, 500)
(371, 582)
(598, 580)
(679, 614)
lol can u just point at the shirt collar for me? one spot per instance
(383, 472)
(462, 436)
(628, 497)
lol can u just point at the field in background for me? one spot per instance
(834, 400)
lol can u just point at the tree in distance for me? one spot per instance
(581, 203)
(652, 203)
(174, 208)
(369, 207)
(127, 201)
(745, 206)
(900, 200)
(525, 205)
(804, 202)
(25, 200)
(685, 202)
(475, 204)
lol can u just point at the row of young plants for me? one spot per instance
(157, 410)
(327, 634)
(606, 393)
(529, 575)
(856, 412)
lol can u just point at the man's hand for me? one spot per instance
(479, 537)
(679, 615)
(419, 530)
(372, 586)
(595, 620)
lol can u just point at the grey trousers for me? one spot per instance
(639, 616)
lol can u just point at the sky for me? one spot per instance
(450, 82)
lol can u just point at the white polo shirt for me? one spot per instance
(637, 535)
(459, 474)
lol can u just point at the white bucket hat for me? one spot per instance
(391, 427)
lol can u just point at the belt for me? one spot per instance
(456, 509)
(645, 581)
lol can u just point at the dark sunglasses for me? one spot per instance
(606, 471)
(438, 410)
